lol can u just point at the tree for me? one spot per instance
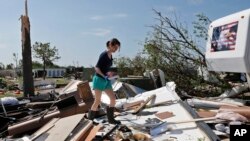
(138, 64)
(10, 66)
(37, 65)
(123, 65)
(46, 53)
(15, 58)
(20, 64)
(172, 48)
(2, 66)
(127, 66)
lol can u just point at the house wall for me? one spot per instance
(51, 72)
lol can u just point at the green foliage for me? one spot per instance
(127, 66)
(138, 65)
(154, 56)
(46, 53)
(172, 49)
(2, 66)
(10, 66)
(38, 65)
(201, 139)
(15, 58)
(123, 65)
(201, 26)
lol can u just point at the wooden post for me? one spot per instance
(28, 84)
(26, 8)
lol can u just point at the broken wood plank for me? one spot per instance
(81, 130)
(93, 132)
(136, 111)
(164, 115)
(132, 104)
(168, 102)
(205, 114)
(244, 111)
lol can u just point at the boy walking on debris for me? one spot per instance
(102, 83)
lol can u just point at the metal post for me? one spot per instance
(4, 111)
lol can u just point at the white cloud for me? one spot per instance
(98, 32)
(102, 17)
(2, 45)
(165, 8)
(120, 15)
(97, 18)
(195, 1)
(171, 9)
(101, 32)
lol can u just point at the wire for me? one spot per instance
(2, 133)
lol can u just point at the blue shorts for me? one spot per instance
(99, 83)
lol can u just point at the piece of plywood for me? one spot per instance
(205, 114)
(44, 129)
(164, 115)
(244, 111)
(132, 104)
(84, 91)
(62, 128)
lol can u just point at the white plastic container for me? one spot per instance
(228, 45)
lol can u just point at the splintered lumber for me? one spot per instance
(137, 110)
(168, 102)
(79, 133)
(28, 83)
(205, 114)
(93, 132)
(132, 104)
(31, 124)
(244, 111)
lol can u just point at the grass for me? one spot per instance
(59, 82)
(201, 139)
(11, 94)
(62, 81)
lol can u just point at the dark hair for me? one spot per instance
(113, 42)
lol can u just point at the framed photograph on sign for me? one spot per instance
(224, 37)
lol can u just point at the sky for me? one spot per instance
(79, 29)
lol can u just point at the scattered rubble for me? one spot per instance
(157, 114)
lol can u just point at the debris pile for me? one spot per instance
(157, 114)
